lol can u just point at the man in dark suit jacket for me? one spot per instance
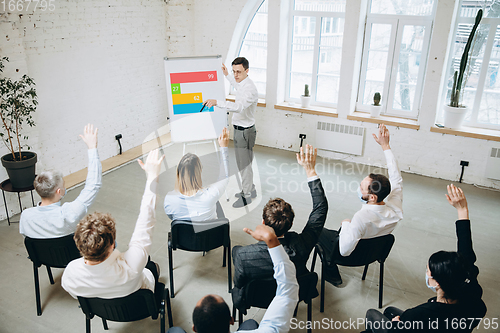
(253, 261)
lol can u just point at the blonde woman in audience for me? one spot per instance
(189, 200)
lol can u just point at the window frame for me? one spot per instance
(319, 15)
(398, 23)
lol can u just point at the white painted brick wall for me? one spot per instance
(93, 61)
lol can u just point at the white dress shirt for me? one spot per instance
(120, 274)
(202, 205)
(245, 103)
(280, 311)
(58, 220)
(375, 220)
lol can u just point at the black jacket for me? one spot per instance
(253, 262)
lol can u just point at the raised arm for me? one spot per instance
(280, 311)
(310, 234)
(138, 249)
(396, 196)
(75, 210)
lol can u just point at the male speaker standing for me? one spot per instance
(243, 119)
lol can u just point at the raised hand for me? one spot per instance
(224, 138)
(383, 137)
(456, 198)
(89, 136)
(307, 158)
(224, 70)
(152, 165)
(264, 233)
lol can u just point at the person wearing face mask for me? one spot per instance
(50, 219)
(382, 209)
(457, 306)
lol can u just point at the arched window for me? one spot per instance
(254, 47)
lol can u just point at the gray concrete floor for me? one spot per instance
(428, 226)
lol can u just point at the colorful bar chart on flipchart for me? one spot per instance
(185, 103)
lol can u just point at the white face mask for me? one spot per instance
(360, 195)
(433, 288)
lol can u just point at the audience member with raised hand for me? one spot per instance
(189, 200)
(457, 306)
(105, 272)
(50, 219)
(382, 209)
(212, 313)
(253, 261)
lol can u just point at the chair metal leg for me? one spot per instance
(313, 264)
(229, 273)
(234, 312)
(49, 272)
(171, 271)
(105, 324)
(87, 325)
(240, 318)
(169, 309)
(322, 296)
(296, 309)
(309, 316)
(381, 285)
(364, 273)
(37, 291)
(162, 313)
(224, 257)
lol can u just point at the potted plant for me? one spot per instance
(376, 107)
(305, 99)
(18, 101)
(455, 112)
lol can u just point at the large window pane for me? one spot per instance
(321, 6)
(302, 56)
(408, 66)
(376, 67)
(489, 110)
(254, 48)
(402, 7)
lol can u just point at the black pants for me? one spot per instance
(375, 319)
(329, 240)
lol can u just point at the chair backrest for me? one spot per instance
(367, 251)
(136, 306)
(260, 293)
(200, 236)
(53, 252)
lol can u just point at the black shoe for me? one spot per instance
(253, 193)
(242, 202)
(332, 278)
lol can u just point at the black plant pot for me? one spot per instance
(21, 173)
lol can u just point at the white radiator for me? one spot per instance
(340, 138)
(493, 164)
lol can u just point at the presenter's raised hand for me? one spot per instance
(264, 233)
(210, 102)
(152, 165)
(456, 198)
(307, 158)
(224, 70)
(383, 137)
(224, 138)
(89, 136)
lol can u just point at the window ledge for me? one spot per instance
(317, 110)
(470, 132)
(387, 120)
(260, 102)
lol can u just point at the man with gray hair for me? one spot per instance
(50, 219)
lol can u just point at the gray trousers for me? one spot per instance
(244, 140)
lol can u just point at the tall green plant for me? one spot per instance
(18, 101)
(458, 76)
(306, 90)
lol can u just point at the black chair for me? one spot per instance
(260, 293)
(366, 252)
(51, 252)
(199, 237)
(137, 306)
